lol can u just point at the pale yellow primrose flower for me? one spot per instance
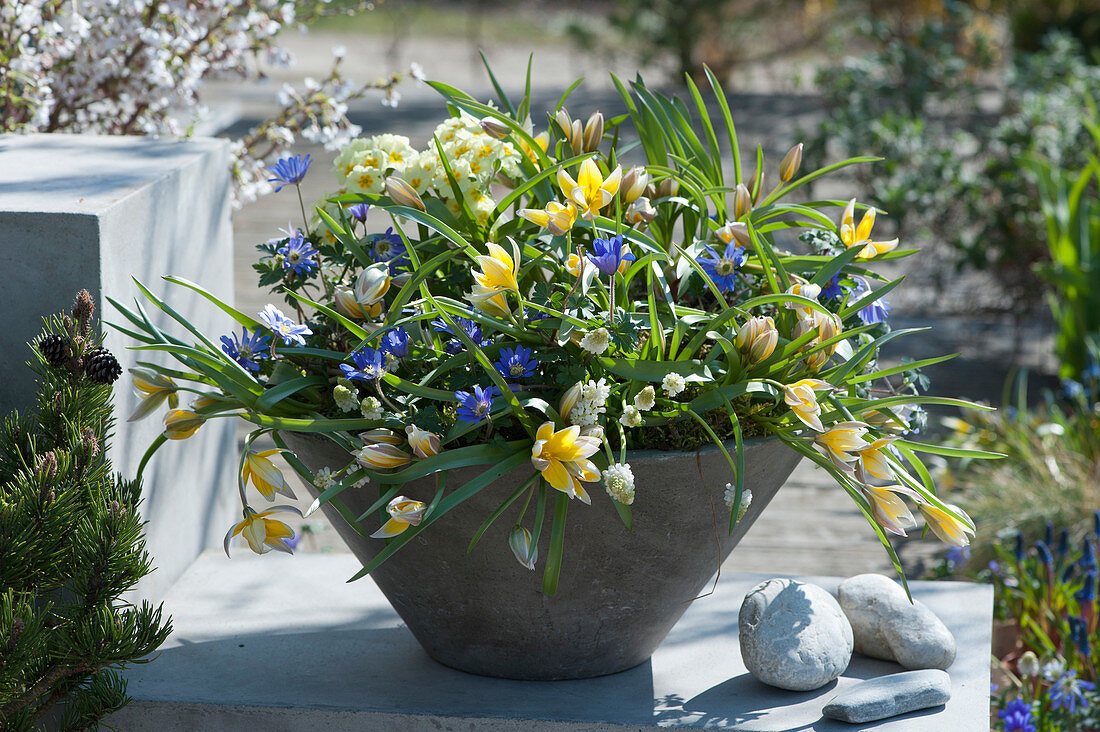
(179, 424)
(153, 388)
(555, 218)
(801, 397)
(590, 191)
(267, 478)
(424, 443)
(404, 512)
(888, 508)
(840, 441)
(499, 273)
(261, 533)
(860, 236)
(949, 529)
(872, 460)
(562, 458)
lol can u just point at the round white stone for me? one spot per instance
(794, 635)
(886, 625)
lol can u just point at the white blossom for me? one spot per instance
(645, 399)
(731, 496)
(591, 403)
(371, 408)
(673, 384)
(631, 417)
(324, 478)
(346, 399)
(618, 479)
(596, 341)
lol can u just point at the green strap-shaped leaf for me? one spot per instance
(552, 573)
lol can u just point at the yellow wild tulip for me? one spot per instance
(860, 236)
(950, 530)
(555, 218)
(590, 191)
(888, 508)
(261, 533)
(499, 273)
(404, 512)
(153, 388)
(562, 458)
(872, 461)
(841, 441)
(267, 478)
(179, 424)
(801, 397)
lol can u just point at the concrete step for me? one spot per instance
(284, 643)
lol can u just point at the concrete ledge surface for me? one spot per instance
(284, 643)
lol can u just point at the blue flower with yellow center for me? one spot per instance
(284, 327)
(608, 254)
(396, 342)
(370, 365)
(298, 255)
(247, 349)
(722, 268)
(516, 363)
(476, 406)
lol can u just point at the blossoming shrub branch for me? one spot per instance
(535, 300)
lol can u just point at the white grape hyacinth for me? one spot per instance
(618, 479)
(673, 384)
(731, 496)
(596, 341)
(646, 399)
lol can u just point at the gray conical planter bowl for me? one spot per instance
(620, 591)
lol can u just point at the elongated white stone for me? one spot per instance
(889, 696)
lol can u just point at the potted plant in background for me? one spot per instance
(537, 321)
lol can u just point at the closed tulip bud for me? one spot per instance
(382, 456)
(633, 184)
(757, 338)
(735, 231)
(424, 443)
(593, 133)
(742, 201)
(565, 124)
(576, 137)
(381, 435)
(790, 164)
(650, 191)
(402, 193)
(179, 424)
(825, 326)
(668, 187)
(494, 128)
(346, 303)
(525, 550)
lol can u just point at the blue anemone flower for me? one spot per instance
(475, 407)
(298, 254)
(832, 290)
(370, 364)
(359, 211)
(389, 247)
(876, 312)
(396, 342)
(470, 327)
(289, 171)
(1017, 716)
(284, 327)
(516, 363)
(607, 254)
(722, 269)
(247, 349)
(1068, 692)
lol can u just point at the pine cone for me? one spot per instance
(101, 366)
(55, 349)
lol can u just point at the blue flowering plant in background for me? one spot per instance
(512, 297)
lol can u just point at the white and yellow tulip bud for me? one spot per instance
(790, 164)
(757, 338)
(364, 301)
(806, 290)
(261, 533)
(403, 194)
(950, 530)
(640, 212)
(179, 424)
(494, 128)
(742, 201)
(801, 397)
(735, 231)
(267, 478)
(555, 218)
(404, 512)
(887, 507)
(576, 137)
(154, 388)
(564, 122)
(569, 400)
(524, 549)
(346, 304)
(382, 456)
(424, 443)
(381, 435)
(825, 326)
(841, 441)
(872, 460)
(668, 187)
(593, 133)
(633, 184)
